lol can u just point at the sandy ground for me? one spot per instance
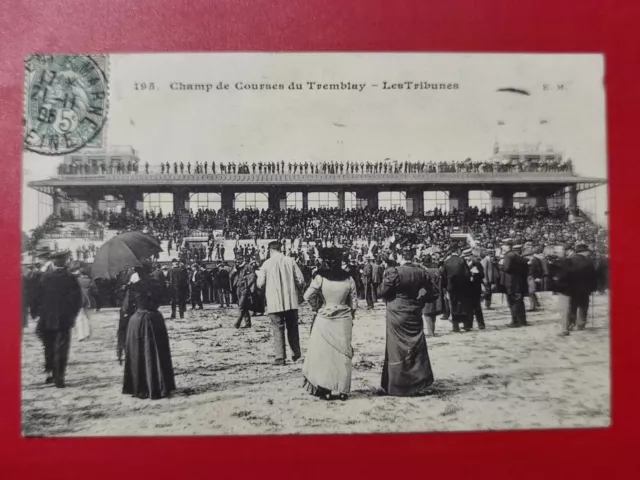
(485, 380)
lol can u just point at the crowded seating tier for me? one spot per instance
(325, 168)
(538, 225)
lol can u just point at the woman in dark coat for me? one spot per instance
(434, 308)
(148, 369)
(405, 289)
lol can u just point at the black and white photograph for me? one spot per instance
(314, 243)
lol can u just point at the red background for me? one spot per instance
(82, 26)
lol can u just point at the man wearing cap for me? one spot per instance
(59, 300)
(178, 279)
(514, 281)
(576, 280)
(281, 277)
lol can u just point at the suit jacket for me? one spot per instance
(178, 280)
(457, 281)
(367, 273)
(577, 276)
(535, 268)
(222, 278)
(516, 270)
(490, 272)
(280, 276)
(376, 274)
(457, 276)
(195, 280)
(59, 300)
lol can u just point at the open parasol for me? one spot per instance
(122, 252)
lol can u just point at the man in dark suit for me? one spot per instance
(457, 278)
(367, 280)
(514, 282)
(58, 302)
(576, 279)
(195, 283)
(475, 288)
(178, 288)
(213, 283)
(376, 277)
(205, 281)
(224, 285)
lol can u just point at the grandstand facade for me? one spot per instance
(145, 188)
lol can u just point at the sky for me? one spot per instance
(166, 125)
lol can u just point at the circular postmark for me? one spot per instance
(66, 103)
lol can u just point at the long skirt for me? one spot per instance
(83, 325)
(327, 364)
(148, 370)
(407, 368)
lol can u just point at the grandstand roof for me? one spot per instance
(271, 179)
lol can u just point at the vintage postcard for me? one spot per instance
(254, 243)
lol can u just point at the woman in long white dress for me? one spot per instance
(83, 322)
(327, 365)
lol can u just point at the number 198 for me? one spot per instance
(144, 86)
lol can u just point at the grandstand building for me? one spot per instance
(129, 185)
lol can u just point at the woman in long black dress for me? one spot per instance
(148, 369)
(406, 288)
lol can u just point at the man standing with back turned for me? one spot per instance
(58, 302)
(281, 277)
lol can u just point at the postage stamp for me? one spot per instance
(66, 103)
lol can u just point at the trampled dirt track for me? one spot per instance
(485, 380)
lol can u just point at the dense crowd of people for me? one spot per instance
(540, 225)
(416, 285)
(333, 167)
